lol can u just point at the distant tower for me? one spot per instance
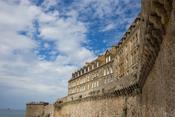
(39, 109)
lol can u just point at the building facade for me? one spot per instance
(120, 61)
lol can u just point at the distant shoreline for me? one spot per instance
(10, 109)
(12, 113)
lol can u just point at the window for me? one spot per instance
(92, 66)
(97, 83)
(106, 59)
(85, 70)
(94, 84)
(87, 78)
(104, 72)
(107, 71)
(105, 81)
(84, 80)
(97, 64)
(84, 88)
(109, 58)
(88, 68)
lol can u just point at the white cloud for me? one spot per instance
(11, 22)
(112, 13)
(49, 3)
(101, 8)
(20, 67)
(108, 27)
(22, 72)
(69, 35)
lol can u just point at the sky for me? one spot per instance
(42, 42)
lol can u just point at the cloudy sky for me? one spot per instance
(43, 41)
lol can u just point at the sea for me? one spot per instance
(12, 113)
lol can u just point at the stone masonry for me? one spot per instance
(39, 109)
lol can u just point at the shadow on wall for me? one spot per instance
(158, 95)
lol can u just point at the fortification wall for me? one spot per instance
(158, 93)
(34, 110)
(156, 100)
(104, 107)
(49, 110)
(39, 110)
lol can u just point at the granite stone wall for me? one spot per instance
(39, 110)
(34, 110)
(158, 93)
(122, 106)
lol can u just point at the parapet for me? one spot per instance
(38, 103)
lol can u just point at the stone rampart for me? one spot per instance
(101, 107)
(41, 109)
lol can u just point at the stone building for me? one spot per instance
(113, 74)
(90, 79)
(120, 61)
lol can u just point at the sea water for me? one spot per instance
(12, 113)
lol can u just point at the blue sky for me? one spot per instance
(43, 41)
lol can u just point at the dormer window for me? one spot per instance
(92, 66)
(104, 73)
(97, 64)
(107, 71)
(88, 68)
(108, 59)
(84, 70)
(80, 72)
